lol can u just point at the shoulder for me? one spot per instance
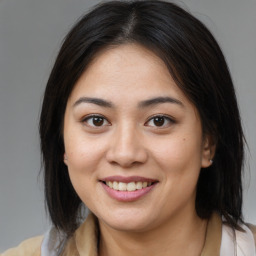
(253, 230)
(240, 241)
(30, 247)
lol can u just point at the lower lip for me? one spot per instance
(127, 196)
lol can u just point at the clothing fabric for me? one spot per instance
(221, 240)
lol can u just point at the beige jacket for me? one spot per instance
(84, 241)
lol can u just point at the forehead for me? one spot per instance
(126, 70)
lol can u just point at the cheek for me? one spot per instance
(180, 152)
(83, 153)
(82, 169)
(83, 161)
(180, 161)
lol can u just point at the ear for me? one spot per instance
(208, 151)
(65, 159)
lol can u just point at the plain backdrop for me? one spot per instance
(31, 32)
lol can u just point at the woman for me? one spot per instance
(140, 124)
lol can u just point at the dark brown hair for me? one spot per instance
(195, 62)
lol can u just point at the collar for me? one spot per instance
(213, 236)
(88, 232)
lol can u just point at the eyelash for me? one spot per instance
(90, 117)
(164, 117)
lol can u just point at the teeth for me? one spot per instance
(115, 185)
(122, 186)
(139, 185)
(131, 186)
(110, 184)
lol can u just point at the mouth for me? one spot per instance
(128, 188)
(131, 186)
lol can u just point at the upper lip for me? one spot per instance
(128, 179)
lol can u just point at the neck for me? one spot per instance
(176, 237)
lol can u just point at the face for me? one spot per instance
(133, 142)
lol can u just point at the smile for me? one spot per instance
(127, 189)
(131, 186)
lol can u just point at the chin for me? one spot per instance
(128, 221)
(124, 226)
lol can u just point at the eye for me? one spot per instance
(160, 121)
(95, 121)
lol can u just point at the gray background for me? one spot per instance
(30, 34)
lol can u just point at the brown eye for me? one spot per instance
(160, 121)
(95, 121)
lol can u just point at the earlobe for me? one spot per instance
(208, 151)
(65, 158)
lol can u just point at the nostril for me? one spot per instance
(126, 153)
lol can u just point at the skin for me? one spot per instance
(129, 142)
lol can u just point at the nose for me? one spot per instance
(126, 148)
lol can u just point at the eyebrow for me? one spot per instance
(159, 100)
(96, 101)
(142, 104)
